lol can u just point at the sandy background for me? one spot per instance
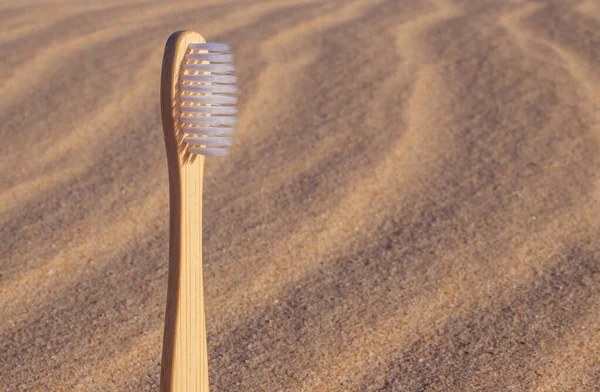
(412, 202)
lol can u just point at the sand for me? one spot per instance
(412, 202)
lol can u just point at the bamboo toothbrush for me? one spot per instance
(198, 112)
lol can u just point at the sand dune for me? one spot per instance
(412, 202)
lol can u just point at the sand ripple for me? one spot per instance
(412, 202)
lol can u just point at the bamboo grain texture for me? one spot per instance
(184, 360)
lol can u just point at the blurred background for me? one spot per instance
(411, 203)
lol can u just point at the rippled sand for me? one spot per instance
(412, 202)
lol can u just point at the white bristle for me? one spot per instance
(213, 68)
(209, 131)
(209, 109)
(213, 88)
(228, 79)
(213, 99)
(215, 58)
(206, 105)
(208, 121)
(209, 141)
(210, 46)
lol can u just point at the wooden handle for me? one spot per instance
(184, 358)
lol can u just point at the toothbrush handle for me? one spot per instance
(185, 354)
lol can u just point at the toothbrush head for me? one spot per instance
(197, 95)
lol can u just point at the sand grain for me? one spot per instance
(412, 202)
